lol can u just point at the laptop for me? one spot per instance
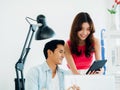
(90, 82)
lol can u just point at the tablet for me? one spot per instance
(97, 64)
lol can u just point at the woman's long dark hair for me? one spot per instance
(77, 26)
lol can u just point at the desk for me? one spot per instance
(91, 82)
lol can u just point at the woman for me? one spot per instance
(82, 45)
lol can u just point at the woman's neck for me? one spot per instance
(81, 43)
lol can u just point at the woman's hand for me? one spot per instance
(100, 72)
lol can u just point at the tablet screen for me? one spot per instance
(97, 64)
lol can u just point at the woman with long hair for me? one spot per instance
(82, 46)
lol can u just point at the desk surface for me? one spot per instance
(91, 82)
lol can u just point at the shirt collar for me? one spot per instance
(47, 68)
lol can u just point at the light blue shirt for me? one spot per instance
(40, 77)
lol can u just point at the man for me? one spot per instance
(48, 76)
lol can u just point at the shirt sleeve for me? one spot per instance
(31, 81)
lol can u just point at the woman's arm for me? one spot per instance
(97, 54)
(97, 49)
(69, 60)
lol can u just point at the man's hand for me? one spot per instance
(74, 87)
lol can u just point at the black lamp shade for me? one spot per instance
(43, 32)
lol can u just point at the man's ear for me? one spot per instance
(49, 52)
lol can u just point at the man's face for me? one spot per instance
(58, 54)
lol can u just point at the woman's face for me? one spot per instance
(84, 32)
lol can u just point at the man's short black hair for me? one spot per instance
(52, 45)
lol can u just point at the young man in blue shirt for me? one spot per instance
(48, 76)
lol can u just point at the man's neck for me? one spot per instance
(53, 67)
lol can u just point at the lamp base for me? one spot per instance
(17, 86)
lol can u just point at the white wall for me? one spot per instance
(59, 15)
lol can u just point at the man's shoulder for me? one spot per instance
(64, 71)
(38, 68)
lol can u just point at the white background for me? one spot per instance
(59, 16)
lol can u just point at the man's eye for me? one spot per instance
(61, 51)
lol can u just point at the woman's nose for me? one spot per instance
(84, 31)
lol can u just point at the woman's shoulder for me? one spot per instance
(96, 43)
(96, 40)
(67, 43)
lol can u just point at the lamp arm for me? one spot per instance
(19, 66)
